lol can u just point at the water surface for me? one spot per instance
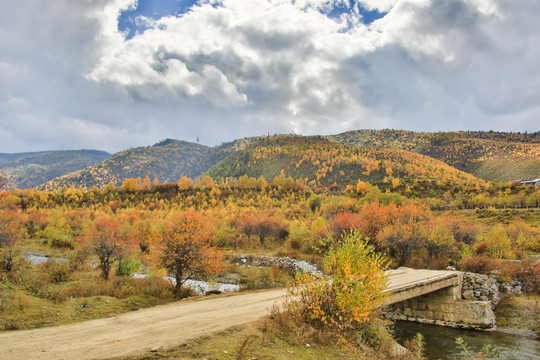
(440, 342)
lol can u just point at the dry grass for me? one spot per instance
(279, 337)
(53, 294)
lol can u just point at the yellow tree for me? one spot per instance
(497, 243)
(440, 243)
(206, 182)
(185, 183)
(146, 183)
(132, 185)
(361, 188)
(261, 183)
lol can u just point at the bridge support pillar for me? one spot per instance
(445, 307)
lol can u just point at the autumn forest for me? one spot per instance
(285, 196)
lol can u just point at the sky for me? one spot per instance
(115, 74)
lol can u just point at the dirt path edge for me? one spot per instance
(139, 331)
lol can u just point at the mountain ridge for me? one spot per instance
(486, 155)
(30, 169)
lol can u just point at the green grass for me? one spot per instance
(501, 216)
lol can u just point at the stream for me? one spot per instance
(440, 342)
(200, 287)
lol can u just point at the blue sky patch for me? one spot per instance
(369, 16)
(346, 7)
(154, 9)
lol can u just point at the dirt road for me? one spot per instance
(139, 331)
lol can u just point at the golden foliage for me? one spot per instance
(349, 293)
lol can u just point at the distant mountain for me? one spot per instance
(167, 161)
(28, 170)
(488, 155)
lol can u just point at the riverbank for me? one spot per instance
(519, 316)
(513, 331)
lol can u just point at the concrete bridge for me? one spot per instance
(434, 297)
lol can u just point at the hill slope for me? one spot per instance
(488, 155)
(322, 163)
(167, 160)
(28, 170)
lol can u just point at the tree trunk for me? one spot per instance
(403, 257)
(178, 285)
(8, 260)
(105, 265)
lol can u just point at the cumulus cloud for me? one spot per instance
(224, 69)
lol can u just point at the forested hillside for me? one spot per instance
(324, 164)
(28, 170)
(395, 160)
(167, 161)
(488, 155)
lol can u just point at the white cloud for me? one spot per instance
(380, 5)
(234, 68)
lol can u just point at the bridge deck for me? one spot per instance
(405, 283)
